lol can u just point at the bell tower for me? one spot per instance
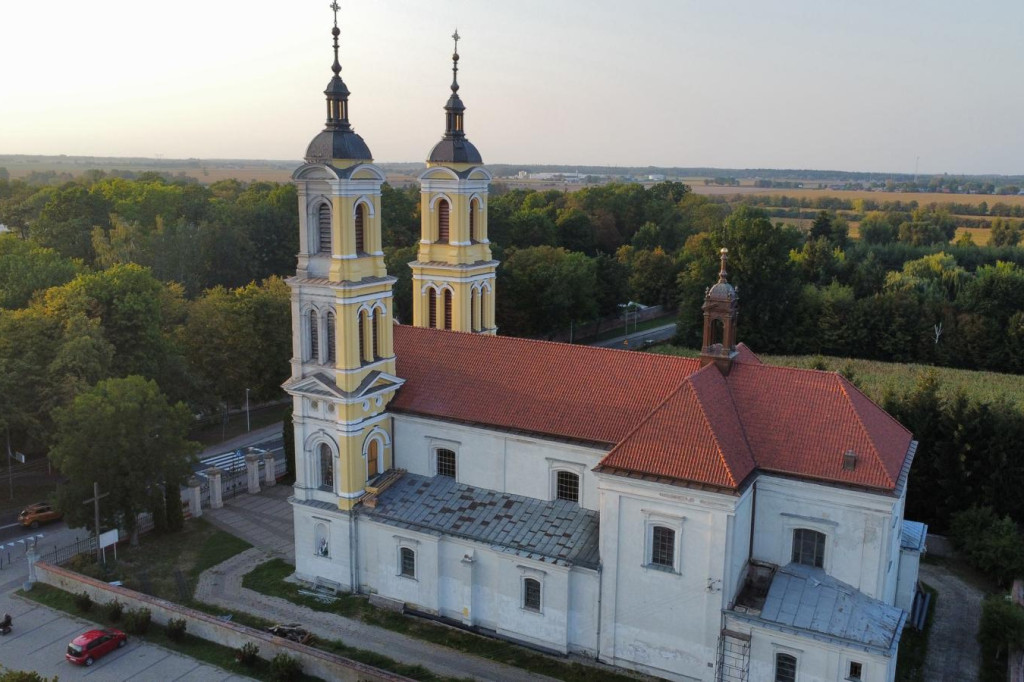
(343, 361)
(721, 308)
(453, 274)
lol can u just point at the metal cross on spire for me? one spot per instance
(455, 62)
(336, 67)
(335, 6)
(455, 37)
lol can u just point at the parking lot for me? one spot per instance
(41, 636)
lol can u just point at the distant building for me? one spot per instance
(710, 518)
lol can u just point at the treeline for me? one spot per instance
(861, 206)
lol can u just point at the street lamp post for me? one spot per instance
(247, 426)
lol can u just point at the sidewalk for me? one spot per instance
(222, 586)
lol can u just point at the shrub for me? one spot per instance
(114, 610)
(23, 676)
(136, 621)
(285, 668)
(83, 602)
(1001, 629)
(989, 543)
(247, 654)
(176, 629)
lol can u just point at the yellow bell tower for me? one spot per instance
(343, 361)
(453, 274)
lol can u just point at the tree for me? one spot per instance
(653, 278)
(1005, 233)
(545, 289)
(125, 435)
(26, 268)
(822, 225)
(877, 228)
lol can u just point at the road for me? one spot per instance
(639, 340)
(14, 540)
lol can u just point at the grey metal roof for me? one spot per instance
(558, 532)
(806, 601)
(454, 151)
(914, 535)
(337, 143)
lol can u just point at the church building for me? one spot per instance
(711, 518)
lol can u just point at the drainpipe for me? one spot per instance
(353, 553)
(600, 616)
(753, 517)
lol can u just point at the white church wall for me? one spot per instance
(816, 660)
(738, 548)
(310, 561)
(654, 619)
(857, 526)
(584, 598)
(380, 568)
(511, 463)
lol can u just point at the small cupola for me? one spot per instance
(337, 141)
(721, 308)
(454, 147)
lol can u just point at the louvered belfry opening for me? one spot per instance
(447, 309)
(443, 210)
(360, 222)
(324, 228)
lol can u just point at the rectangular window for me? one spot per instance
(446, 463)
(531, 594)
(785, 668)
(567, 486)
(408, 562)
(809, 547)
(663, 547)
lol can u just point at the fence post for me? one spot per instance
(195, 499)
(216, 496)
(252, 472)
(270, 472)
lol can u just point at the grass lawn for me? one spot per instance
(914, 645)
(269, 578)
(166, 565)
(875, 376)
(200, 649)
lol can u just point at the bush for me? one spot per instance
(23, 676)
(136, 621)
(1001, 629)
(989, 543)
(285, 668)
(248, 654)
(114, 610)
(176, 629)
(83, 602)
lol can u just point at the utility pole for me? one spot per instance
(247, 427)
(95, 500)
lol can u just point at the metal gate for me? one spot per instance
(234, 482)
(733, 656)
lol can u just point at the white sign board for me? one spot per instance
(109, 538)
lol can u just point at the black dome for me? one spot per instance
(338, 144)
(454, 151)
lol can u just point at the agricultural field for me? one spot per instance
(875, 378)
(922, 198)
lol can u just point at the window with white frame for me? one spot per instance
(531, 594)
(785, 668)
(407, 562)
(663, 547)
(567, 486)
(446, 462)
(808, 547)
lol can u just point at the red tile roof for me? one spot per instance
(665, 416)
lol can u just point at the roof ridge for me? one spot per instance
(710, 424)
(647, 417)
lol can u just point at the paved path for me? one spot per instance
(264, 520)
(41, 636)
(222, 586)
(953, 650)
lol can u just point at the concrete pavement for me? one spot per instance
(953, 650)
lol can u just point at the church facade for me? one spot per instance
(696, 519)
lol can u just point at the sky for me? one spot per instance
(872, 85)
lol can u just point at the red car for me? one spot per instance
(86, 648)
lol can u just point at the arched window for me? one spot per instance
(567, 486)
(321, 545)
(360, 222)
(663, 547)
(314, 336)
(380, 320)
(785, 668)
(717, 331)
(374, 336)
(432, 296)
(326, 467)
(446, 462)
(474, 304)
(324, 228)
(809, 547)
(473, 207)
(447, 309)
(531, 594)
(373, 466)
(443, 210)
(362, 337)
(406, 562)
(330, 337)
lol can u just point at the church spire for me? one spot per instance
(721, 308)
(338, 142)
(454, 147)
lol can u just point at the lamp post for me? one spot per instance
(247, 427)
